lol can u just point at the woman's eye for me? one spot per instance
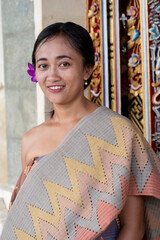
(42, 66)
(64, 64)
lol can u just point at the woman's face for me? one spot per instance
(60, 71)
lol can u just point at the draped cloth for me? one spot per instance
(77, 190)
(110, 233)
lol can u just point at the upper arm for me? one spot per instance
(23, 151)
(26, 144)
(132, 217)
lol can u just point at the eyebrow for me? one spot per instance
(63, 56)
(58, 57)
(41, 59)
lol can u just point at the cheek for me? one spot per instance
(39, 76)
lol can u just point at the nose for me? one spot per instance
(53, 74)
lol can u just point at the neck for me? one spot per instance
(64, 114)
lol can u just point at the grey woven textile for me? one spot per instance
(77, 190)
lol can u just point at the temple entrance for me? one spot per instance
(126, 36)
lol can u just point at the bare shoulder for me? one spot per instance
(29, 136)
(28, 141)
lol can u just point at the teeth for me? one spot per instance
(56, 87)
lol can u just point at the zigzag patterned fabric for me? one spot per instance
(76, 191)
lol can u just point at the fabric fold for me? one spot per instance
(76, 191)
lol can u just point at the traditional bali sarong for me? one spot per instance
(110, 233)
(77, 191)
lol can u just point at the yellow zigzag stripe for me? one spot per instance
(73, 166)
(22, 235)
(36, 214)
(120, 149)
(74, 195)
(119, 123)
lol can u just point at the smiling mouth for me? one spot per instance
(56, 87)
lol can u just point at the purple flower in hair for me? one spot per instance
(31, 72)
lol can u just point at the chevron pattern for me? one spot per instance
(92, 192)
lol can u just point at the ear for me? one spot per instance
(87, 72)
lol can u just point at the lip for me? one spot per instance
(55, 88)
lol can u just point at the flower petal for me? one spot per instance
(34, 79)
(30, 65)
(31, 72)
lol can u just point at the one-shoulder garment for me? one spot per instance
(78, 190)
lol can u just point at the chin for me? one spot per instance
(57, 101)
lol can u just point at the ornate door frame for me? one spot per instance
(107, 25)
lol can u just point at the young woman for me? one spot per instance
(86, 168)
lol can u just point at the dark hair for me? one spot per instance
(78, 37)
